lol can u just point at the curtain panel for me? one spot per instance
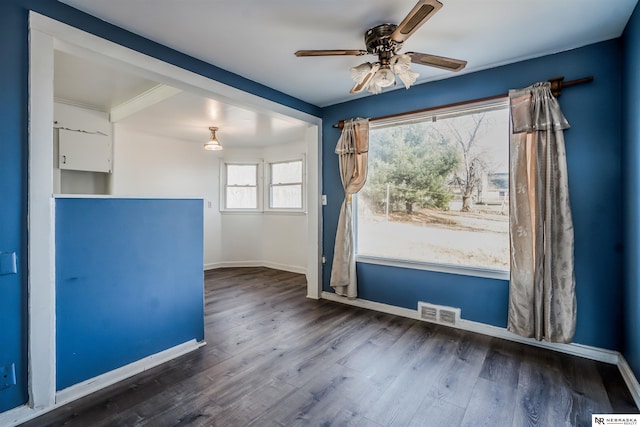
(542, 302)
(352, 149)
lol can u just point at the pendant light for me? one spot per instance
(213, 144)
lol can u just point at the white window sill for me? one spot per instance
(256, 212)
(440, 268)
(240, 212)
(283, 212)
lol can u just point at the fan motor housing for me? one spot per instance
(378, 40)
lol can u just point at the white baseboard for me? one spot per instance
(25, 413)
(268, 264)
(630, 379)
(91, 385)
(588, 352)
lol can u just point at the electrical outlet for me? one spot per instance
(7, 376)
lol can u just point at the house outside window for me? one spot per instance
(286, 185)
(436, 195)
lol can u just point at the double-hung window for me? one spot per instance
(436, 195)
(241, 186)
(286, 185)
(245, 187)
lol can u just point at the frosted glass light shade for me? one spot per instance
(384, 77)
(213, 144)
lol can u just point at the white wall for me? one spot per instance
(285, 235)
(147, 165)
(150, 165)
(274, 239)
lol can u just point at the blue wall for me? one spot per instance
(13, 116)
(594, 155)
(129, 282)
(593, 152)
(13, 143)
(631, 165)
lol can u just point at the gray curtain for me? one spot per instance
(542, 302)
(351, 149)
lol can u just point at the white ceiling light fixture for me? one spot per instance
(378, 75)
(385, 41)
(213, 144)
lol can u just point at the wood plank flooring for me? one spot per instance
(275, 358)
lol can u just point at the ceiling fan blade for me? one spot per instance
(420, 13)
(330, 52)
(445, 63)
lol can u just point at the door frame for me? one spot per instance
(46, 36)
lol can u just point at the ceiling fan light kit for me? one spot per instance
(385, 41)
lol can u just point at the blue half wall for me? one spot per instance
(129, 282)
(593, 153)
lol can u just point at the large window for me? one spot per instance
(286, 185)
(437, 190)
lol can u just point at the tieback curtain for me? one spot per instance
(542, 301)
(352, 149)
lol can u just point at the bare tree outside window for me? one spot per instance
(437, 190)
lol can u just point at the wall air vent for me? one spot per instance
(429, 312)
(438, 313)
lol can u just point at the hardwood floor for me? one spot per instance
(275, 358)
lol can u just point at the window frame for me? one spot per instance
(433, 114)
(269, 185)
(224, 185)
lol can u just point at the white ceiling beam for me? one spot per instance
(145, 100)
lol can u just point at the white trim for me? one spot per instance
(432, 266)
(602, 355)
(420, 117)
(77, 42)
(259, 164)
(444, 112)
(92, 385)
(47, 34)
(146, 99)
(285, 267)
(41, 243)
(630, 379)
(24, 413)
(106, 196)
(284, 213)
(268, 264)
(594, 353)
(371, 305)
(268, 184)
(313, 138)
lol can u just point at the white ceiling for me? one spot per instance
(256, 38)
(179, 116)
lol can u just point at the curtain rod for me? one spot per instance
(557, 84)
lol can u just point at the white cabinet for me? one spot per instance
(83, 151)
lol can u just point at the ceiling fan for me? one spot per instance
(386, 40)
